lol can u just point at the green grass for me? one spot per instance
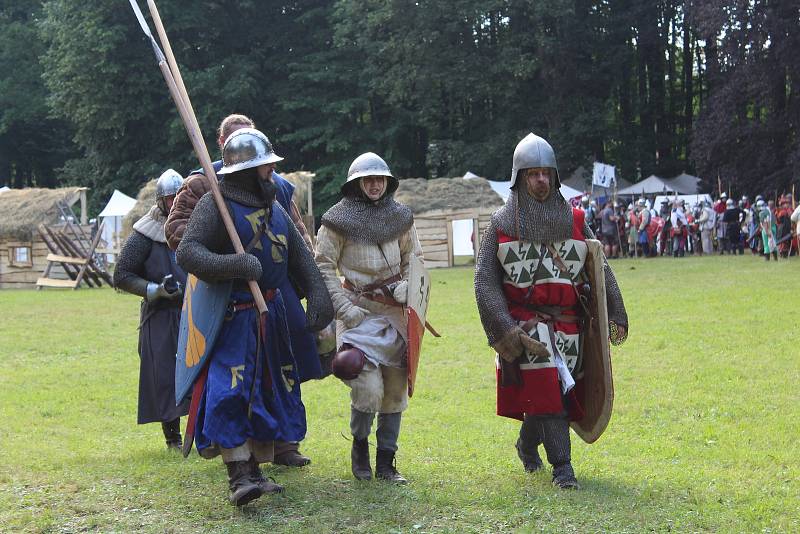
(703, 436)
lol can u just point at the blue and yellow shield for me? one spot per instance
(202, 314)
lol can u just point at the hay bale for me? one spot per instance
(301, 181)
(23, 210)
(144, 201)
(447, 194)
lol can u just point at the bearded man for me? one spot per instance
(528, 278)
(251, 397)
(303, 342)
(147, 267)
(369, 238)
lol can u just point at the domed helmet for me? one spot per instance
(368, 164)
(641, 202)
(759, 197)
(585, 200)
(167, 185)
(729, 203)
(533, 151)
(724, 195)
(246, 148)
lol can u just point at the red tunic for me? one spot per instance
(532, 279)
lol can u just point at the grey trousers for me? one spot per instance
(388, 427)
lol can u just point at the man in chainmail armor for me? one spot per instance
(304, 344)
(146, 267)
(528, 276)
(252, 392)
(369, 238)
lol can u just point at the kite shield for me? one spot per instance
(419, 292)
(202, 314)
(596, 393)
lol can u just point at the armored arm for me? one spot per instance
(205, 235)
(617, 315)
(130, 265)
(306, 274)
(492, 307)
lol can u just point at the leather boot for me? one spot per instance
(288, 454)
(242, 488)
(385, 467)
(172, 434)
(267, 485)
(359, 459)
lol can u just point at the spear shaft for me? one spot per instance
(177, 90)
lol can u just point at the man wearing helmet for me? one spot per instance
(528, 276)
(251, 396)
(369, 238)
(147, 267)
(303, 342)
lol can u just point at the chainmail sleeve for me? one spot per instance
(614, 302)
(201, 251)
(306, 274)
(329, 248)
(130, 265)
(492, 306)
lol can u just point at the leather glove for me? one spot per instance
(516, 342)
(353, 315)
(400, 292)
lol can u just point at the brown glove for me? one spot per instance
(515, 342)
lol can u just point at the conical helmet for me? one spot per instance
(369, 164)
(246, 148)
(534, 151)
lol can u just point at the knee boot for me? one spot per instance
(555, 437)
(172, 433)
(530, 438)
(387, 434)
(243, 488)
(360, 426)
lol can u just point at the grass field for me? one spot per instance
(703, 436)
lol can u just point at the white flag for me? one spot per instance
(603, 175)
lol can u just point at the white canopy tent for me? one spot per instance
(685, 184)
(652, 185)
(118, 207)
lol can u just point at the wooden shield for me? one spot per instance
(419, 292)
(202, 314)
(596, 389)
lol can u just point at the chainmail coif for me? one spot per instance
(369, 222)
(539, 222)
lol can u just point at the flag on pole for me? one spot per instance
(603, 175)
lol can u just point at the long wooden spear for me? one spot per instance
(178, 92)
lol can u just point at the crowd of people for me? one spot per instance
(720, 226)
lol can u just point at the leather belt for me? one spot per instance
(234, 307)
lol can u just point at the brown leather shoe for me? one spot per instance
(291, 458)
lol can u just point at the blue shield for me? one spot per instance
(202, 314)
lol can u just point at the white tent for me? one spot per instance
(685, 184)
(649, 186)
(4, 189)
(118, 206)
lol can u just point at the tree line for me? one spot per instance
(438, 88)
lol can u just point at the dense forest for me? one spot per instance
(437, 87)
